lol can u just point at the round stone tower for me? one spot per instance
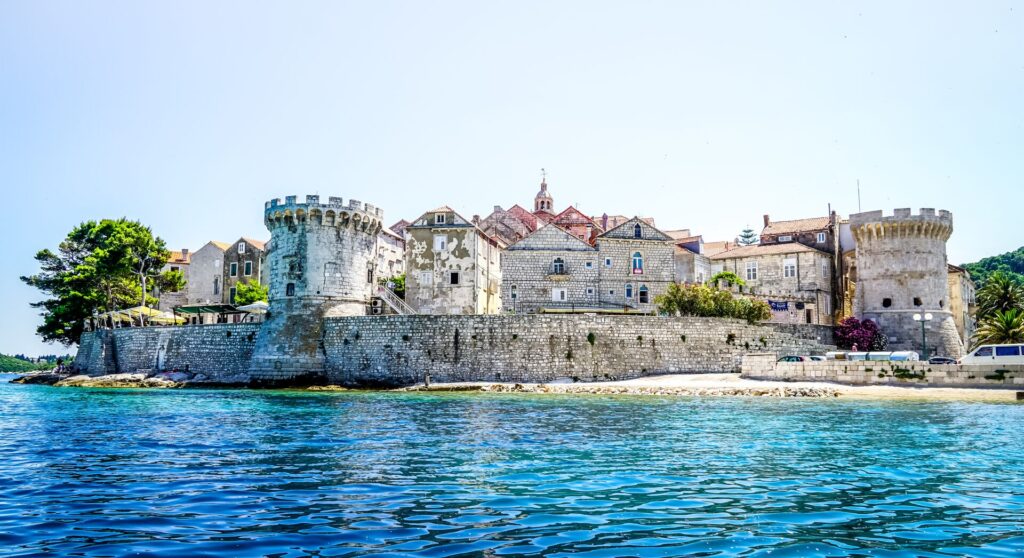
(321, 262)
(902, 271)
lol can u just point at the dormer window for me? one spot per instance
(241, 247)
(638, 231)
(786, 238)
(439, 219)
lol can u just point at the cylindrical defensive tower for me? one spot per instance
(321, 261)
(901, 271)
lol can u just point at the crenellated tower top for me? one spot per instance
(902, 224)
(356, 215)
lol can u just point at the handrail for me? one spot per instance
(392, 300)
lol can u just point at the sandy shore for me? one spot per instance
(733, 385)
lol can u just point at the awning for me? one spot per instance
(258, 307)
(208, 309)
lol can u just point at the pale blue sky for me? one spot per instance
(188, 115)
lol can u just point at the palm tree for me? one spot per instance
(1001, 327)
(1000, 294)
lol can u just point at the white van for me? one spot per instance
(995, 354)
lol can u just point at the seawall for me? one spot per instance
(400, 350)
(902, 373)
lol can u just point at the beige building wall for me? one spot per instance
(802, 279)
(962, 303)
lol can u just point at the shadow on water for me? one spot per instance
(293, 473)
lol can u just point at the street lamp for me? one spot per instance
(926, 317)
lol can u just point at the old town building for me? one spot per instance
(509, 226)
(794, 278)
(390, 254)
(206, 273)
(962, 303)
(637, 264)
(692, 264)
(178, 261)
(243, 262)
(452, 266)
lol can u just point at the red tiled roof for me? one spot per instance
(260, 244)
(765, 249)
(573, 216)
(178, 257)
(796, 226)
(528, 219)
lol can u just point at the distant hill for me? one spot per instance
(11, 364)
(1011, 262)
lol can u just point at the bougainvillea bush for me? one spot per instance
(862, 333)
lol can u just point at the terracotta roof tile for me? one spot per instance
(764, 250)
(796, 225)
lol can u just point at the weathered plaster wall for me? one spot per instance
(399, 350)
(765, 367)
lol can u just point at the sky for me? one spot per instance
(187, 116)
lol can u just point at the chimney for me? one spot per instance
(476, 219)
(767, 220)
(604, 221)
(184, 253)
(497, 208)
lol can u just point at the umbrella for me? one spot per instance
(258, 307)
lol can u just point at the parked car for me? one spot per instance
(792, 358)
(995, 354)
(941, 360)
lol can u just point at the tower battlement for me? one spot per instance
(356, 215)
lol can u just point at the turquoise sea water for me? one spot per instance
(251, 473)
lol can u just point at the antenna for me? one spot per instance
(858, 196)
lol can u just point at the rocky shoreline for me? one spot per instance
(128, 380)
(619, 389)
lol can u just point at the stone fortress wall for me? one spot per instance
(321, 259)
(400, 350)
(902, 271)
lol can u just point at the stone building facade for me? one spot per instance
(692, 265)
(637, 264)
(452, 267)
(206, 274)
(795, 279)
(962, 302)
(178, 261)
(549, 269)
(390, 254)
(508, 226)
(322, 258)
(243, 263)
(902, 271)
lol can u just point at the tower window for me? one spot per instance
(917, 301)
(886, 302)
(289, 289)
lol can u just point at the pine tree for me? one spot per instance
(748, 237)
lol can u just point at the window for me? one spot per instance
(369, 276)
(629, 290)
(611, 292)
(644, 297)
(590, 291)
(607, 262)
(826, 306)
(453, 278)
(886, 302)
(751, 271)
(558, 266)
(821, 238)
(248, 267)
(233, 267)
(786, 238)
(440, 242)
(589, 265)
(231, 295)
(558, 294)
(216, 285)
(638, 263)
(174, 268)
(512, 290)
(789, 268)
(289, 289)
(984, 351)
(439, 219)
(638, 231)
(241, 247)
(1008, 351)
(824, 269)
(917, 301)
(426, 277)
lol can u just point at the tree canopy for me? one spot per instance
(248, 292)
(100, 266)
(704, 300)
(1010, 263)
(748, 237)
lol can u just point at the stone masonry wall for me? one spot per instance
(399, 350)
(765, 367)
(221, 351)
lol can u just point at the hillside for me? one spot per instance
(1010, 262)
(11, 364)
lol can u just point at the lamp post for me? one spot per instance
(926, 317)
